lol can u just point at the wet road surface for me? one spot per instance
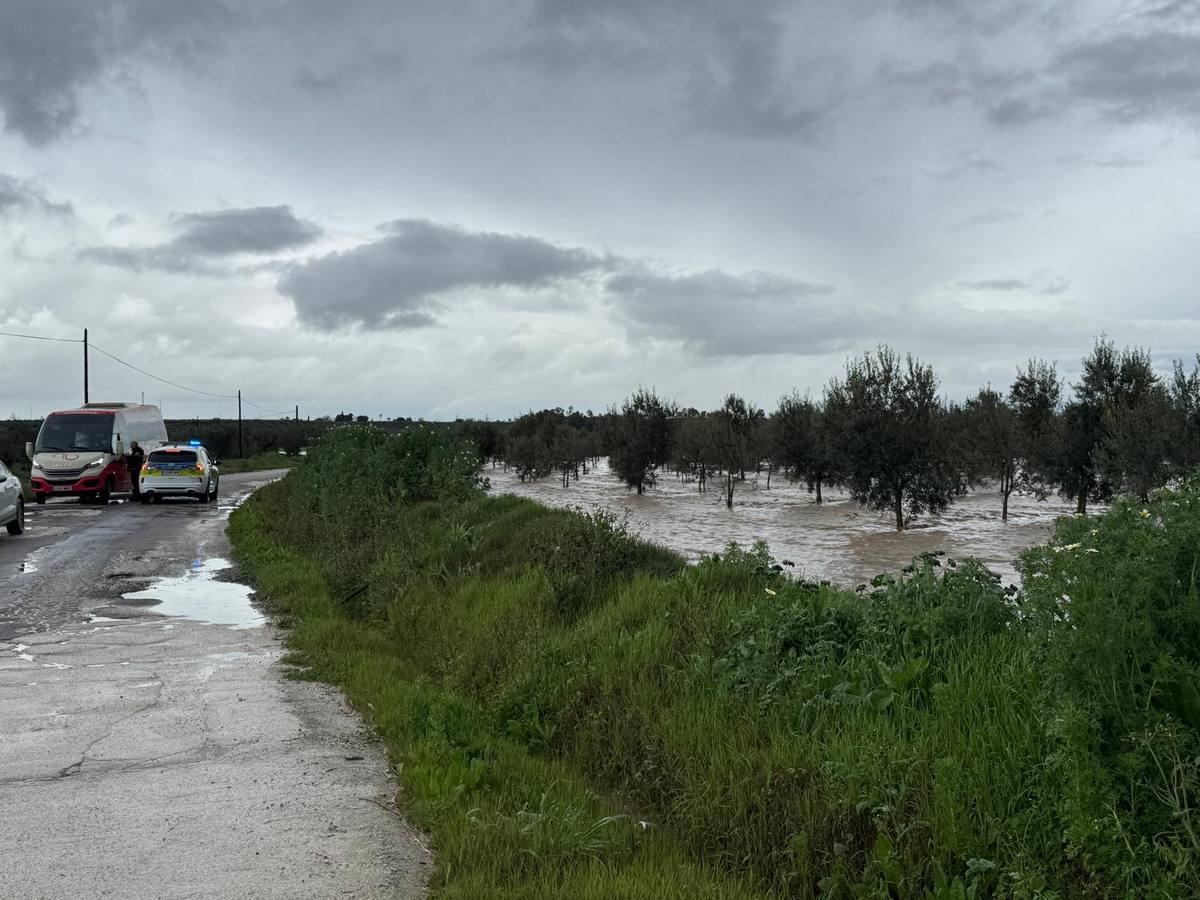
(150, 745)
(835, 540)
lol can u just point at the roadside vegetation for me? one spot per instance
(262, 462)
(884, 433)
(574, 713)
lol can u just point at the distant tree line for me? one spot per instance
(882, 432)
(220, 436)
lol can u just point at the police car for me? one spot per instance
(180, 470)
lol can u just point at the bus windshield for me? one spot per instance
(76, 433)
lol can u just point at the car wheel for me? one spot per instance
(143, 499)
(17, 525)
(213, 495)
(205, 496)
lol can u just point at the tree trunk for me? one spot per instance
(899, 510)
(729, 490)
(1004, 508)
(818, 483)
(639, 486)
(1081, 503)
(770, 469)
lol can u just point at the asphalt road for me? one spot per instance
(150, 746)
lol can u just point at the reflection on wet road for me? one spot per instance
(198, 595)
(74, 559)
(836, 540)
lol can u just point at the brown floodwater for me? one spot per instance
(835, 540)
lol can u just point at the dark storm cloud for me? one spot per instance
(992, 216)
(1140, 66)
(395, 281)
(757, 313)
(20, 195)
(1132, 77)
(260, 229)
(1172, 10)
(208, 236)
(336, 80)
(51, 50)
(726, 68)
(1080, 160)
(1044, 283)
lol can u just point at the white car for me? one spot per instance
(12, 502)
(180, 470)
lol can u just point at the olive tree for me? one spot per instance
(893, 436)
(1185, 410)
(1105, 448)
(803, 445)
(694, 449)
(641, 438)
(992, 442)
(1035, 398)
(735, 424)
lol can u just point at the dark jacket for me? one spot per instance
(134, 461)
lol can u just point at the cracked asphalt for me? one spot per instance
(147, 756)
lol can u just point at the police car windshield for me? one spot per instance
(77, 433)
(172, 457)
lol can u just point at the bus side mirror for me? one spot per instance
(29, 449)
(118, 447)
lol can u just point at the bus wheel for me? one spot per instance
(39, 499)
(105, 493)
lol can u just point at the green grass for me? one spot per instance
(544, 682)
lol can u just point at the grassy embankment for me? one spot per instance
(543, 682)
(260, 463)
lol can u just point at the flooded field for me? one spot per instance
(836, 540)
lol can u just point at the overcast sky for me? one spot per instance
(454, 208)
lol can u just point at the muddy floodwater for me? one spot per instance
(835, 540)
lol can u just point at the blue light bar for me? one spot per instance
(193, 443)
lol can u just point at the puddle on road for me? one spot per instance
(199, 595)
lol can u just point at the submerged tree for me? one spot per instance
(1114, 395)
(694, 447)
(992, 442)
(641, 438)
(1035, 397)
(1185, 415)
(733, 436)
(1134, 456)
(803, 445)
(894, 437)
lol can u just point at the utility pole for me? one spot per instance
(297, 412)
(85, 368)
(241, 453)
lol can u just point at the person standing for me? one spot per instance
(134, 461)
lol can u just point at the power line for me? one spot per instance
(175, 384)
(184, 387)
(275, 412)
(141, 371)
(38, 337)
